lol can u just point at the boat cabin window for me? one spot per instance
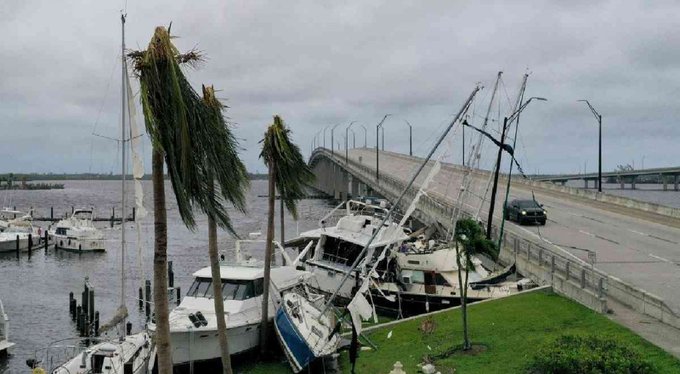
(61, 231)
(232, 289)
(343, 252)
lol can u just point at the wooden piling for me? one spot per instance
(78, 319)
(51, 213)
(134, 214)
(47, 238)
(70, 304)
(179, 295)
(96, 323)
(147, 305)
(90, 307)
(171, 275)
(30, 245)
(18, 250)
(141, 298)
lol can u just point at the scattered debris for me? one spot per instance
(428, 326)
(397, 368)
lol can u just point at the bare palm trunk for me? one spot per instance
(160, 267)
(217, 291)
(463, 299)
(283, 228)
(466, 336)
(268, 258)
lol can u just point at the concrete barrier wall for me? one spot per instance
(568, 276)
(579, 192)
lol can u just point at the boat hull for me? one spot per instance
(294, 346)
(77, 245)
(11, 245)
(204, 345)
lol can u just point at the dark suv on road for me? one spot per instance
(525, 211)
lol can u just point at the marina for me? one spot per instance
(435, 251)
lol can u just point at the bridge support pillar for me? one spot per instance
(623, 182)
(563, 182)
(664, 181)
(633, 179)
(585, 181)
(675, 182)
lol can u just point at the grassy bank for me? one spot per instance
(510, 329)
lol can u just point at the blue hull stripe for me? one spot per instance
(292, 340)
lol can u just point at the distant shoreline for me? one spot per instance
(18, 178)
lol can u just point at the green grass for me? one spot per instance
(510, 328)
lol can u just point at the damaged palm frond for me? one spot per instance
(197, 144)
(292, 174)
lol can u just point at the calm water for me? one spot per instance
(652, 193)
(35, 291)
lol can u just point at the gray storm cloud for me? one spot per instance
(319, 62)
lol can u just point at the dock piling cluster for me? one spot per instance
(85, 316)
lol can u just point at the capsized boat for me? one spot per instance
(5, 344)
(303, 331)
(77, 233)
(193, 324)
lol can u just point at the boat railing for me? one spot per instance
(335, 259)
(60, 352)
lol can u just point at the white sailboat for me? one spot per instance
(129, 354)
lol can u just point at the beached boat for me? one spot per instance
(193, 324)
(303, 331)
(338, 247)
(77, 233)
(5, 344)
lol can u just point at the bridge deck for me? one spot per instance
(642, 252)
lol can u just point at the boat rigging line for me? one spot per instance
(401, 196)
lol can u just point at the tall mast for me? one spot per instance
(123, 166)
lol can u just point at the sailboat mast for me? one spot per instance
(123, 166)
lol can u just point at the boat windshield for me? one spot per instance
(232, 289)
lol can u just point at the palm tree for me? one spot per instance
(471, 237)
(241, 174)
(289, 174)
(198, 151)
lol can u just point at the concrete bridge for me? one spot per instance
(668, 176)
(606, 252)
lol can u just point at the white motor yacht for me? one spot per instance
(5, 344)
(77, 233)
(193, 324)
(337, 247)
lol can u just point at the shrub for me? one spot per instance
(588, 354)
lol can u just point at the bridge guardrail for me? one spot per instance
(576, 279)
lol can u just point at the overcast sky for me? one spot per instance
(320, 62)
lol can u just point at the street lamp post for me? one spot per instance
(410, 138)
(332, 142)
(347, 141)
(365, 135)
(354, 138)
(492, 203)
(599, 166)
(377, 148)
(324, 136)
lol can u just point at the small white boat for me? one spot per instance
(304, 333)
(18, 230)
(5, 344)
(77, 233)
(193, 324)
